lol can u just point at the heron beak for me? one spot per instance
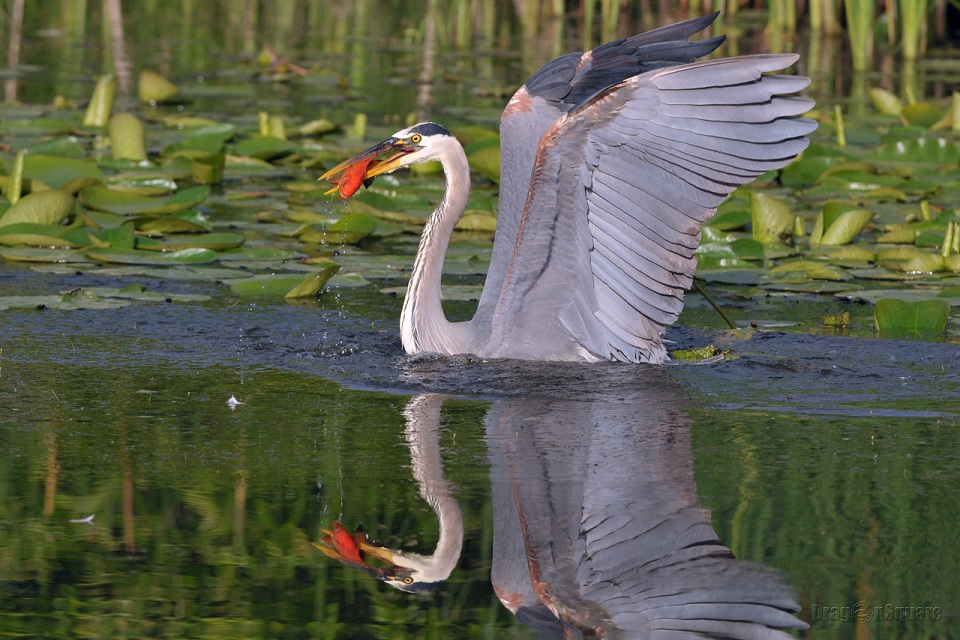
(368, 157)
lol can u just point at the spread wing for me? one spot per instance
(621, 186)
(559, 87)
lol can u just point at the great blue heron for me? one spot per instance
(611, 161)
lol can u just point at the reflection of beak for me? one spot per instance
(368, 157)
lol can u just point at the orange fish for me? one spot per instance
(351, 178)
(347, 544)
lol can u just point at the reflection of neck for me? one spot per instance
(423, 435)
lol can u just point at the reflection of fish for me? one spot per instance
(346, 543)
(349, 180)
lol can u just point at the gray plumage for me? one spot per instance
(611, 161)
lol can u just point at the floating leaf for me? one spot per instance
(132, 256)
(208, 169)
(477, 222)
(318, 127)
(730, 220)
(921, 114)
(264, 147)
(214, 241)
(37, 126)
(843, 228)
(905, 317)
(885, 102)
(810, 269)
(851, 254)
(771, 219)
(312, 284)
(926, 263)
(154, 88)
(119, 202)
(27, 254)
(141, 184)
(127, 137)
(44, 207)
(268, 286)
(902, 235)
(35, 235)
(486, 162)
(742, 248)
(181, 222)
(119, 237)
(101, 104)
(57, 172)
(933, 150)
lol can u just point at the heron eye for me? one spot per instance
(408, 579)
(416, 138)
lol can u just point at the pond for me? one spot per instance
(177, 448)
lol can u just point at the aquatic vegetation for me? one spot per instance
(187, 192)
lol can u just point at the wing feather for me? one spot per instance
(556, 89)
(645, 163)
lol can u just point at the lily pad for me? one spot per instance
(264, 147)
(771, 218)
(283, 285)
(154, 88)
(27, 254)
(44, 207)
(150, 258)
(36, 235)
(213, 241)
(127, 137)
(837, 228)
(905, 317)
(119, 202)
(885, 102)
(57, 172)
(810, 269)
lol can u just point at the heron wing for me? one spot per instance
(621, 186)
(559, 87)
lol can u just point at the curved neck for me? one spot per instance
(423, 325)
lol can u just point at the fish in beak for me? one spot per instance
(364, 167)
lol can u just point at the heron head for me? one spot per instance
(422, 142)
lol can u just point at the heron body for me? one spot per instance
(611, 161)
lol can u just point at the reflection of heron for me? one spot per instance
(610, 164)
(597, 527)
(412, 571)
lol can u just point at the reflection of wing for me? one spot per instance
(559, 87)
(612, 539)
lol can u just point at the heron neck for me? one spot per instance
(423, 325)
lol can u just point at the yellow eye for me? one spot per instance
(408, 579)
(415, 139)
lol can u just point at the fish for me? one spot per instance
(349, 180)
(347, 544)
